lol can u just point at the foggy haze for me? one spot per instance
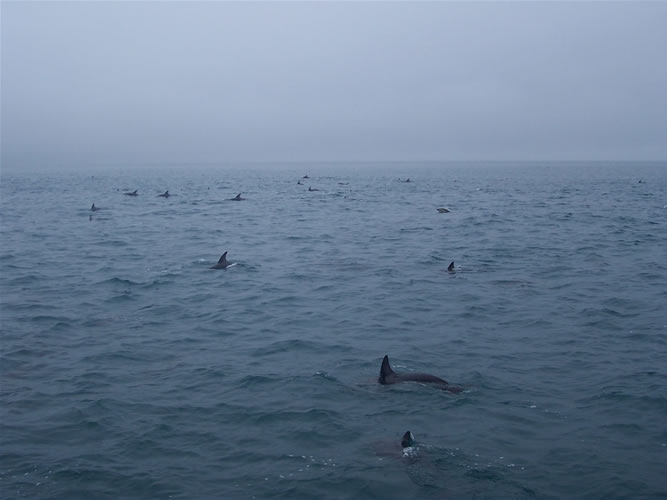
(125, 82)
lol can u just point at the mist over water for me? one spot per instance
(131, 82)
(129, 369)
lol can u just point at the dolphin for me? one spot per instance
(223, 263)
(237, 198)
(305, 177)
(450, 268)
(133, 193)
(443, 210)
(164, 195)
(388, 376)
(408, 440)
(407, 449)
(93, 208)
(311, 189)
(299, 181)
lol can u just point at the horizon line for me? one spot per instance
(282, 161)
(39, 167)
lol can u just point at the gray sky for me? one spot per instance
(134, 82)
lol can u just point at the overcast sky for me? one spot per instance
(135, 82)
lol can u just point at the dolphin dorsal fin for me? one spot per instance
(451, 266)
(385, 369)
(223, 258)
(408, 440)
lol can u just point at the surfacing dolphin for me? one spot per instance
(389, 376)
(164, 195)
(223, 263)
(133, 193)
(450, 268)
(237, 198)
(93, 208)
(408, 447)
(408, 440)
(311, 189)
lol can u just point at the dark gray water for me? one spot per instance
(129, 369)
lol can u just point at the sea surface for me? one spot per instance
(131, 370)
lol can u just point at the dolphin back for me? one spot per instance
(222, 263)
(421, 377)
(388, 376)
(428, 379)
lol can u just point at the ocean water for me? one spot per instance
(129, 369)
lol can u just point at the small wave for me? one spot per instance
(253, 381)
(30, 307)
(113, 243)
(49, 319)
(156, 284)
(123, 356)
(97, 322)
(25, 280)
(123, 297)
(513, 283)
(60, 326)
(416, 229)
(329, 418)
(292, 345)
(118, 281)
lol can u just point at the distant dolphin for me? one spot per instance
(93, 208)
(443, 210)
(223, 263)
(299, 181)
(237, 198)
(311, 189)
(305, 177)
(133, 193)
(164, 195)
(450, 268)
(388, 376)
